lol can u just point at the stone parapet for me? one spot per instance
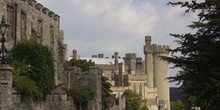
(136, 77)
(40, 7)
(148, 50)
(147, 38)
(160, 48)
(130, 56)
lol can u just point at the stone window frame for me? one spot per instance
(52, 36)
(23, 16)
(10, 20)
(40, 29)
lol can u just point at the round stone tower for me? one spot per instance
(157, 71)
(161, 73)
(149, 62)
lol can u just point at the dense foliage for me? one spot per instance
(81, 96)
(200, 51)
(177, 105)
(133, 100)
(83, 64)
(106, 93)
(145, 107)
(23, 83)
(33, 69)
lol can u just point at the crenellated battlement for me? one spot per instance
(160, 48)
(139, 60)
(148, 49)
(40, 7)
(130, 56)
(136, 77)
(147, 38)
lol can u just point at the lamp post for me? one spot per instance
(3, 51)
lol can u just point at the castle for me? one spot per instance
(147, 77)
(32, 21)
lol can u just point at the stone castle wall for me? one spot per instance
(56, 100)
(30, 20)
(91, 79)
(12, 100)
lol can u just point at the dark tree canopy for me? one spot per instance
(177, 105)
(200, 55)
(33, 62)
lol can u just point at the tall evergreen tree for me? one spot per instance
(200, 55)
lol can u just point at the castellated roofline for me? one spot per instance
(147, 38)
(137, 77)
(160, 48)
(44, 10)
(130, 55)
(148, 49)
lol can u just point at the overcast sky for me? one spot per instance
(106, 26)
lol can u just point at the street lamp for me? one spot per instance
(3, 51)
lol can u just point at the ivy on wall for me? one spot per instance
(33, 69)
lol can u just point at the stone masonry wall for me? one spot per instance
(32, 21)
(12, 100)
(57, 100)
(91, 79)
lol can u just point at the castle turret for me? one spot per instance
(130, 60)
(161, 73)
(75, 55)
(118, 75)
(149, 62)
(139, 65)
(116, 62)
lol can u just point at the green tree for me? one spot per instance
(177, 105)
(81, 96)
(199, 60)
(33, 68)
(133, 100)
(23, 83)
(106, 93)
(144, 107)
(83, 64)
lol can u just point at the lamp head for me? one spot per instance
(3, 26)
